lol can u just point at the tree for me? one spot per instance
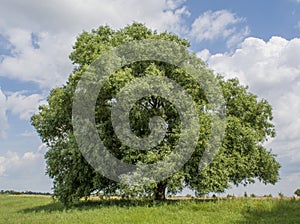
(240, 160)
(297, 192)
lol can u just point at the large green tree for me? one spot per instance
(241, 158)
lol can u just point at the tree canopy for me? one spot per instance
(241, 158)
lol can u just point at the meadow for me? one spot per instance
(42, 209)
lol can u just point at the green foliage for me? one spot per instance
(252, 195)
(229, 196)
(297, 192)
(241, 158)
(268, 196)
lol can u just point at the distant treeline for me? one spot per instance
(24, 192)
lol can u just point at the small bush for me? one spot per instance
(268, 196)
(297, 192)
(252, 195)
(230, 196)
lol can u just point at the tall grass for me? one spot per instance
(38, 209)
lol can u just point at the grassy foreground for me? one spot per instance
(39, 209)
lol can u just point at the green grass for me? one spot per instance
(38, 209)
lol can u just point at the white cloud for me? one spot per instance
(24, 171)
(18, 104)
(28, 133)
(204, 54)
(218, 24)
(238, 37)
(48, 65)
(272, 71)
(174, 4)
(24, 106)
(3, 118)
(287, 110)
(12, 163)
(57, 23)
(70, 16)
(264, 66)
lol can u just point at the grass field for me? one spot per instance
(39, 209)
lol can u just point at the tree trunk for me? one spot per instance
(160, 191)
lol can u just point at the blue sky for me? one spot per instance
(255, 41)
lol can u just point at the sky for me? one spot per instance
(256, 41)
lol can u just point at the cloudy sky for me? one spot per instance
(256, 41)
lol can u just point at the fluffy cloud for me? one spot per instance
(55, 24)
(218, 24)
(70, 16)
(264, 66)
(271, 69)
(24, 106)
(12, 163)
(3, 118)
(20, 105)
(47, 64)
(42, 43)
(24, 171)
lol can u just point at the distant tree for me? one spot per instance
(280, 195)
(252, 195)
(188, 196)
(230, 196)
(297, 192)
(268, 196)
(240, 160)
